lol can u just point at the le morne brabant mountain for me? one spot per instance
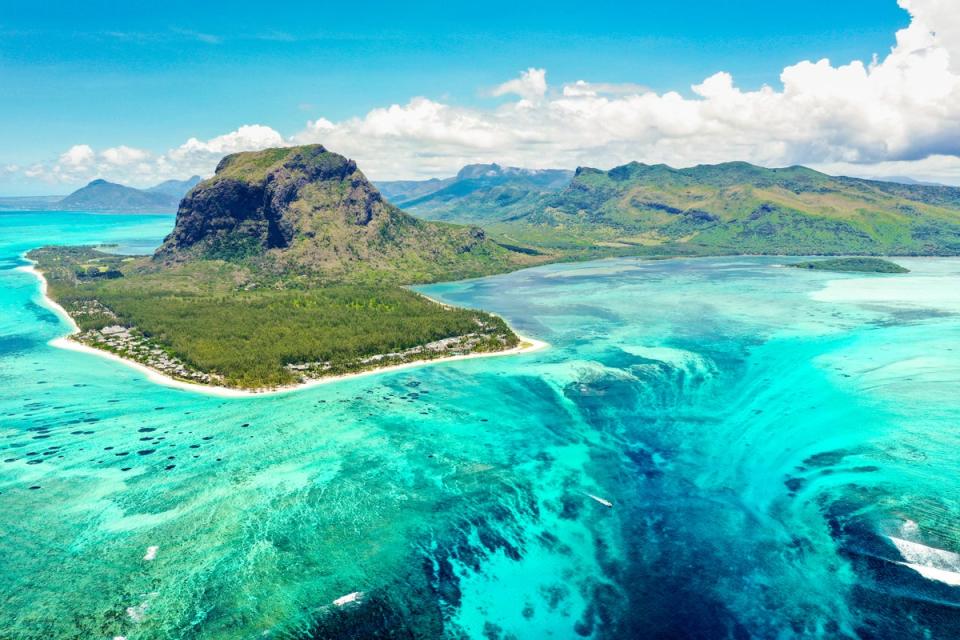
(305, 210)
(100, 196)
(285, 265)
(639, 209)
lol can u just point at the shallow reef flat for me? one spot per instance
(779, 454)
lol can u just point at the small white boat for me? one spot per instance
(605, 503)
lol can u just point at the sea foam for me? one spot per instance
(930, 562)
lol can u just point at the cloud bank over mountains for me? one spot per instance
(897, 115)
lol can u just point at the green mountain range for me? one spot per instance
(719, 209)
(477, 194)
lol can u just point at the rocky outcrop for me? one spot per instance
(237, 213)
(313, 210)
(212, 213)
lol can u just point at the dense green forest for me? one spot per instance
(248, 336)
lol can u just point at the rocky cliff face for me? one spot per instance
(245, 210)
(313, 210)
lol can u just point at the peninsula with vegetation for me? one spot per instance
(852, 265)
(287, 266)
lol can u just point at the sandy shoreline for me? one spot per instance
(526, 345)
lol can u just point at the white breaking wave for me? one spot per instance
(689, 362)
(930, 562)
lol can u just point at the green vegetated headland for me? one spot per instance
(854, 265)
(286, 265)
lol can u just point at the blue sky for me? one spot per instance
(152, 76)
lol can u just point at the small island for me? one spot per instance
(853, 265)
(285, 268)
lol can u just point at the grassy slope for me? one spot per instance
(474, 202)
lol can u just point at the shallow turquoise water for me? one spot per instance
(781, 448)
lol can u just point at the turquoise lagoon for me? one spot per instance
(781, 448)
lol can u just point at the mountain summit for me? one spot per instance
(175, 188)
(306, 209)
(479, 193)
(101, 195)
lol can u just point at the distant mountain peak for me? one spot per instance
(177, 188)
(738, 207)
(488, 191)
(103, 195)
(907, 180)
(495, 170)
(472, 171)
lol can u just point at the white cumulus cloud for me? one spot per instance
(584, 88)
(531, 85)
(245, 138)
(130, 165)
(895, 115)
(200, 157)
(77, 156)
(901, 108)
(123, 155)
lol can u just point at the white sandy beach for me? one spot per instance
(526, 345)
